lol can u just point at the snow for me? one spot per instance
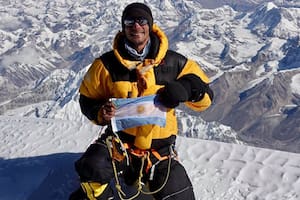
(25, 55)
(295, 84)
(270, 6)
(37, 157)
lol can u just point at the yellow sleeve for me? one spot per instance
(201, 105)
(191, 67)
(96, 81)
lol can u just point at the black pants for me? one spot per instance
(95, 165)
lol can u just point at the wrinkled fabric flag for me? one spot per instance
(138, 111)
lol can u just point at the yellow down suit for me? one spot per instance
(116, 75)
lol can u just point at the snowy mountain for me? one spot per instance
(250, 49)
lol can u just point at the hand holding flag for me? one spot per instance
(138, 111)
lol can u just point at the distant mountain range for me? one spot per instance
(250, 49)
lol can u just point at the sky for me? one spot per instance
(37, 162)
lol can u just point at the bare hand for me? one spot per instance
(108, 110)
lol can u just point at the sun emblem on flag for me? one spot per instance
(140, 109)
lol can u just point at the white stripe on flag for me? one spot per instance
(138, 111)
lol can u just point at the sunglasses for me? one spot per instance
(131, 22)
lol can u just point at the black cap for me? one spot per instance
(136, 10)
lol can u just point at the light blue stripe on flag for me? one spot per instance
(138, 111)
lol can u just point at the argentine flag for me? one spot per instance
(138, 111)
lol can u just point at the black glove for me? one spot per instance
(187, 88)
(195, 87)
(172, 94)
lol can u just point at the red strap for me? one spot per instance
(140, 153)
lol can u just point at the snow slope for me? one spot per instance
(37, 155)
(249, 49)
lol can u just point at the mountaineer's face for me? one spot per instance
(137, 32)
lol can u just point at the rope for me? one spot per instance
(118, 185)
(108, 143)
(165, 181)
(123, 149)
(139, 185)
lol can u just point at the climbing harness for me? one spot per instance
(119, 151)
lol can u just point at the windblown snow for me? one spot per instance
(37, 157)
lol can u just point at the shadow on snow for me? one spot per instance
(47, 177)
